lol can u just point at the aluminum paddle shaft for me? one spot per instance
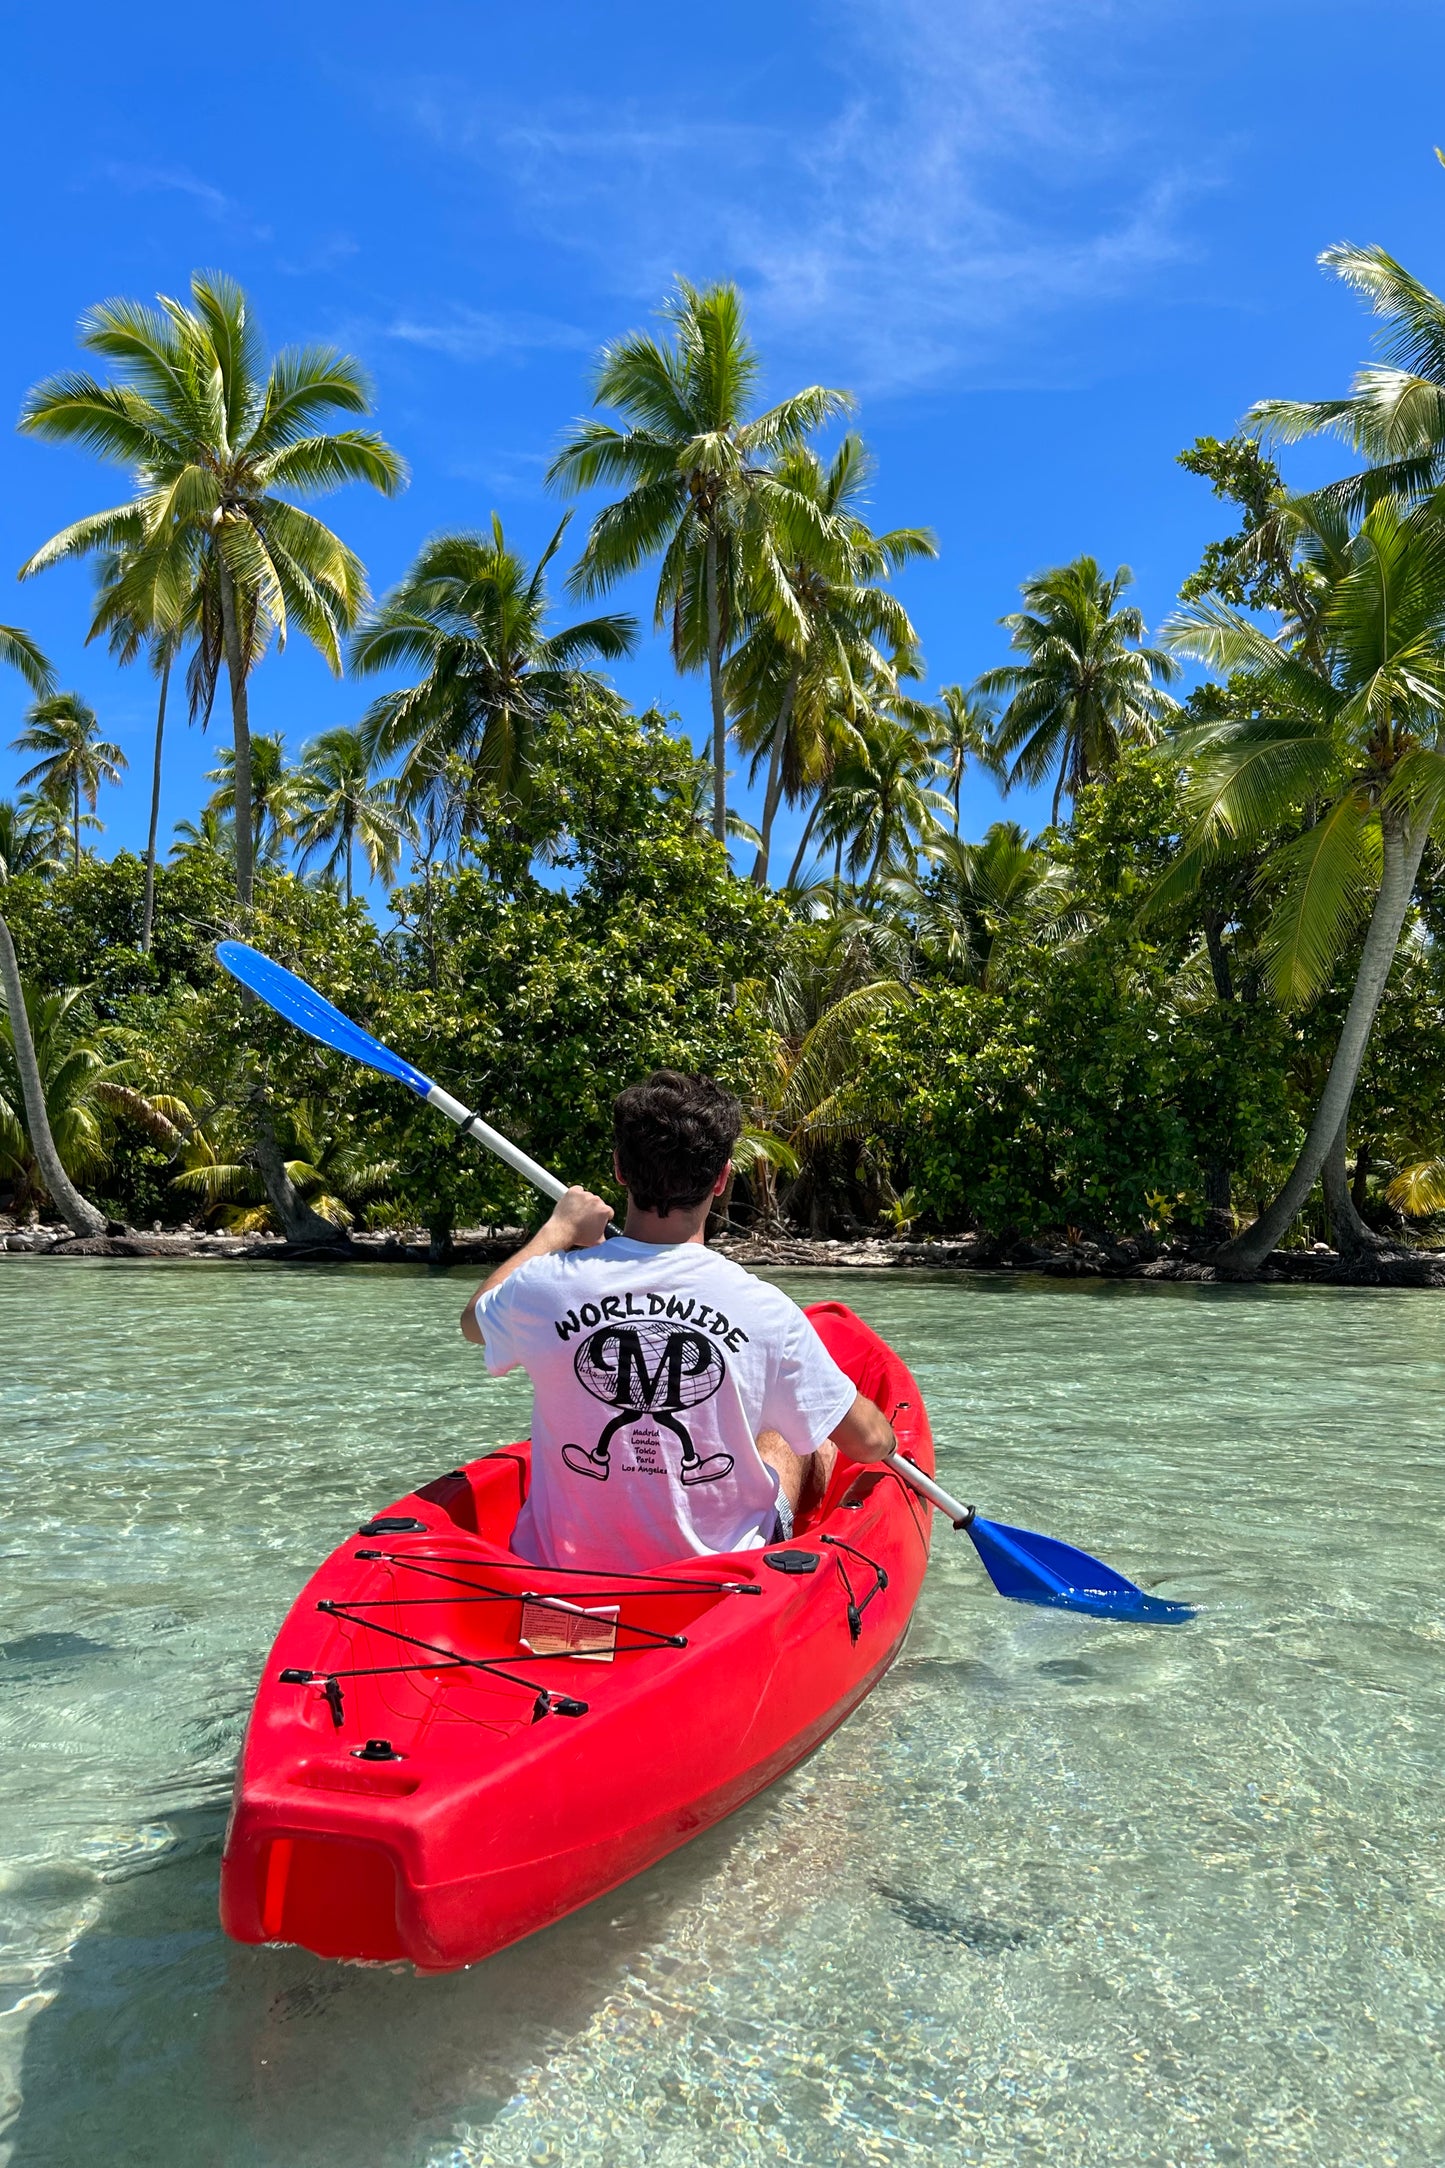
(472, 1125)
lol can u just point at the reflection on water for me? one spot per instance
(1064, 1892)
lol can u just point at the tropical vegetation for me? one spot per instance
(1204, 1001)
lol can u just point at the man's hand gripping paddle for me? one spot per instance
(1030, 1568)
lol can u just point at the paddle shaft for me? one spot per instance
(960, 1515)
(472, 1125)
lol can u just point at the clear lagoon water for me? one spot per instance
(1063, 1893)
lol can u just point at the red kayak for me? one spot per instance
(452, 1747)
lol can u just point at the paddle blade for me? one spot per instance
(1041, 1569)
(301, 1005)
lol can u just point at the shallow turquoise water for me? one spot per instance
(1063, 1893)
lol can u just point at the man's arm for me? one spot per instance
(578, 1221)
(865, 1432)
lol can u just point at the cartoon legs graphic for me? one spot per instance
(598, 1462)
(653, 1370)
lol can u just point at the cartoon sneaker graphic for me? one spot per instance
(710, 1470)
(597, 1463)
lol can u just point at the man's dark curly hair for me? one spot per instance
(674, 1135)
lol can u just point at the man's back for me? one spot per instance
(655, 1365)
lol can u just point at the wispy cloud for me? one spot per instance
(979, 171)
(485, 334)
(176, 180)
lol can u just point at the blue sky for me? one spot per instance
(1046, 243)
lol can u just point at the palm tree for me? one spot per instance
(1083, 692)
(473, 615)
(696, 794)
(85, 1086)
(18, 649)
(30, 836)
(212, 434)
(334, 1176)
(1352, 750)
(274, 789)
(983, 902)
(843, 973)
(966, 734)
(881, 805)
(74, 758)
(701, 492)
(796, 670)
(338, 804)
(152, 600)
(1394, 412)
(212, 833)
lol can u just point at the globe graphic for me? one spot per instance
(651, 1365)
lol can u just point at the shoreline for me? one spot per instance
(1170, 1260)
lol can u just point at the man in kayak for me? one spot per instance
(679, 1401)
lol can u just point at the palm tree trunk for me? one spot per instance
(240, 735)
(349, 840)
(774, 790)
(75, 821)
(77, 1212)
(300, 1225)
(873, 870)
(1352, 1237)
(1402, 851)
(150, 904)
(806, 838)
(715, 687)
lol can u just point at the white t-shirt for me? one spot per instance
(655, 1365)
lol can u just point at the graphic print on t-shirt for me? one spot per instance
(655, 1369)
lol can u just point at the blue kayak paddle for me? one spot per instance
(1029, 1568)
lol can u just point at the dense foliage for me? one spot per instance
(1206, 998)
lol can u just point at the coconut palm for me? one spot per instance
(74, 758)
(212, 435)
(881, 807)
(696, 794)
(701, 490)
(85, 1086)
(212, 834)
(1352, 753)
(795, 671)
(338, 805)
(149, 601)
(472, 615)
(274, 798)
(982, 903)
(1082, 692)
(30, 836)
(844, 972)
(966, 736)
(79, 1214)
(334, 1176)
(1394, 412)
